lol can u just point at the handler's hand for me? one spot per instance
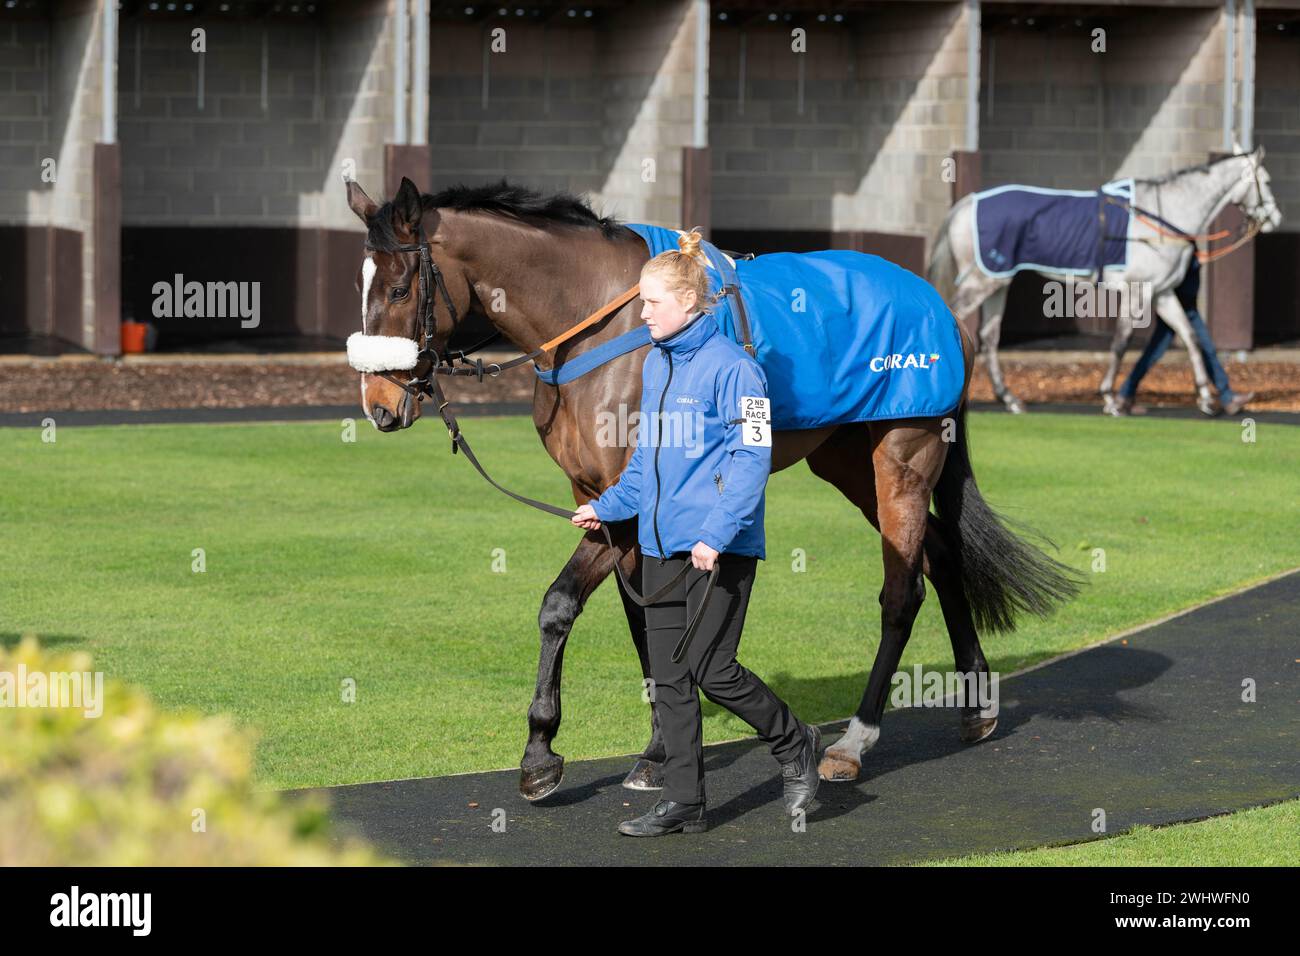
(703, 557)
(585, 517)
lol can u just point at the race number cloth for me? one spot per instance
(1067, 231)
(841, 336)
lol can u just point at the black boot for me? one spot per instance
(800, 774)
(668, 816)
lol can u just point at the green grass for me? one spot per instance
(373, 561)
(1264, 836)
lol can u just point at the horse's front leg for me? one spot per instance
(542, 768)
(1171, 310)
(1118, 346)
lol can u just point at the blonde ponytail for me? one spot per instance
(683, 270)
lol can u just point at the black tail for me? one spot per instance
(1002, 575)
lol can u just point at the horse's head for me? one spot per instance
(394, 347)
(1252, 194)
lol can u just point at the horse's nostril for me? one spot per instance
(382, 416)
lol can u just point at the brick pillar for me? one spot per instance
(968, 173)
(106, 227)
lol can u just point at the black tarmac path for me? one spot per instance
(1149, 729)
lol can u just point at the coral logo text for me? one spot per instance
(882, 363)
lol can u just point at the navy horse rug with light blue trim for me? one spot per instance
(1066, 231)
(841, 336)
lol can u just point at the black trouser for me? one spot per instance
(709, 663)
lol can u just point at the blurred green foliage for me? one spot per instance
(136, 786)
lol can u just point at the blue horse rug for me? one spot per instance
(1065, 231)
(841, 336)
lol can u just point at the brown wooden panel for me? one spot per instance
(24, 307)
(969, 173)
(341, 257)
(697, 189)
(907, 251)
(413, 162)
(1230, 285)
(763, 241)
(107, 232)
(66, 299)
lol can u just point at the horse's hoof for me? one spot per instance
(838, 768)
(1015, 406)
(645, 775)
(973, 731)
(541, 781)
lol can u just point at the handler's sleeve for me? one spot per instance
(621, 500)
(747, 467)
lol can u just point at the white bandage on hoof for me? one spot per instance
(382, 353)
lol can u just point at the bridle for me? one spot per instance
(1255, 220)
(426, 383)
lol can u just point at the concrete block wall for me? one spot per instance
(647, 69)
(542, 122)
(25, 121)
(576, 107)
(913, 66)
(239, 156)
(1277, 117)
(883, 106)
(1054, 113)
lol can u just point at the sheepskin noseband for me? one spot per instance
(382, 353)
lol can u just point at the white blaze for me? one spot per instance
(367, 276)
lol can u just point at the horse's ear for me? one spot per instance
(360, 203)
(1236, 148)
(1259, 153)
(407, 207)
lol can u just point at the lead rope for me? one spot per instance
(458, 441)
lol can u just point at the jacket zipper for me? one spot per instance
(659, 441)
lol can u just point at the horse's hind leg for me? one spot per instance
(1118, 346)
(941, 568)
(992, 309)
(907, 458)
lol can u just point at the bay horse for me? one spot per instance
(1170, 213)
(529, 262)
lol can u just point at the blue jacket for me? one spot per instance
(692, 476)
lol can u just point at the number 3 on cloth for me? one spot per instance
(758, 420)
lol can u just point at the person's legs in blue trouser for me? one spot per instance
(1161, 336)
(1212, 365)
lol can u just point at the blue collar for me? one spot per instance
(685, 341)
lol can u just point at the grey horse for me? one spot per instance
(1158, 256)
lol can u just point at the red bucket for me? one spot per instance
(133, 336)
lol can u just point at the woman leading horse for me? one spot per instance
(702, 504)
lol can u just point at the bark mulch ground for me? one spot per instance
(40, 386)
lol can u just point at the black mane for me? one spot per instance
(502, 199)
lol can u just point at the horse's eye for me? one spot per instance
(399, 294)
